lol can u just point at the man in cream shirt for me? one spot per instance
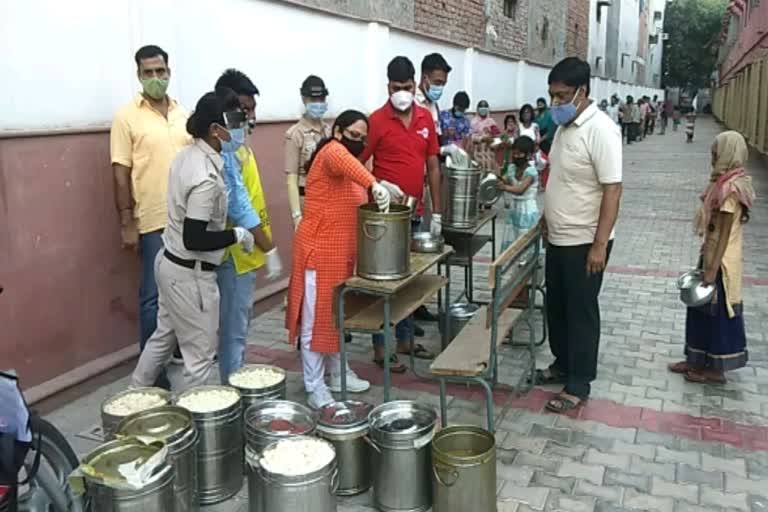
(581, 207)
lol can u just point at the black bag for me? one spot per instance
(16, 436)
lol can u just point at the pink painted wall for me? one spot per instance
(751, 43)
(70, 292)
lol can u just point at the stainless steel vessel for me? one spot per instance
(252, 396)
(460, 202)
(401, 434)
(345, 425)
(109, 421)
(175, 427)
(459, 315)
(107, 493)
(311, 492)
(265, 423)
(383, 242)
(464, 470)
(220, 452)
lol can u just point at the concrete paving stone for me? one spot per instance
(512, 474)
(638, 391)
(756, 469)
(611, 460)
(623, 434)
(507, 506)
(643, 467)
(602, 492)
(552, 481)
(685, 492)
(681, 408)
(712, 497)
(607, 506)
(561, 503)
(737, 484)
(664, 454)
(603, 444)
(648, 403)
(562, 450)
(757, 503)
(636, 500)
(735, 466)
(670, 396)
(524, 444)
(658, 439)
(544, 463)
(715, 449)
(645, 451)
(561, 435)
(534, 497)
(590, 473)
(690, 474)
(684, 506)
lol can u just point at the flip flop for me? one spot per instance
(419, 352)
(700, 378)
(546, 377)
(681, 367)
(395, 366)
(561, 405)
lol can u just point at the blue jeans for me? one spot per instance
(404, 329)
(236, 292)
(149, 245)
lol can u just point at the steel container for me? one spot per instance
(693, 292)
(488, 190)
(109, 421)
(459, 315)
(401, 434)
(383, 242)
(345, 426)
(220, 452)
(175, 427)
(252, 396)
(311, 492)
(265, 423)
(464, 470)
(104, 494)
(427, 243)
(460, 201)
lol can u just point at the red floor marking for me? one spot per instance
(610, 413)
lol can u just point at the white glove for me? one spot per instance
(244, 238)
(448, 150)
(274, 264)
(436, 225)
(382, 196)
(395, 192)
(296, 216)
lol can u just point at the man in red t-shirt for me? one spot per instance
(402, 140)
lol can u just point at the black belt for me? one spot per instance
(190, 264)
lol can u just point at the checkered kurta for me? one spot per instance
(326, 240)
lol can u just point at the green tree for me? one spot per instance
(693, 27)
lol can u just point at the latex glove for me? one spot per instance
(244, 238)
(449, 150)
(382, 196)
(274, 264)
(436, 225)
(395, 192)
(296, 216)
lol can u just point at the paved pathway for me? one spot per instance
(647, 440)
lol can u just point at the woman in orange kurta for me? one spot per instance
(324, 252)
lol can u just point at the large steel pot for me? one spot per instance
(460, 202)
(109, 421)
(345, 425)
(265, 423)
(220, 452)
(108, 492)
(401, 434)
(310, 492)
(383, 242)
(252, 396)
(175, 427)
(464, 470)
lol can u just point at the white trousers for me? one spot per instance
(314, 362)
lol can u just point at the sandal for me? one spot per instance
(547, 377)
(681, 367)
(698, 377)
(395, 366)
(419, 352)
(563, 403)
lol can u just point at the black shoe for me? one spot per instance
(347, 338)
(424, 315)
(418, 331)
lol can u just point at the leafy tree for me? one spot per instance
(693, 27)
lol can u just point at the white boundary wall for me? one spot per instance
(69, 65)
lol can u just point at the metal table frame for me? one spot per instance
(443, 297)
(463, 241)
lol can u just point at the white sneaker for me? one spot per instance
(320, 398)
(354, 383)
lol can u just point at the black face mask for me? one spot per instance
(520, 162)
(356, 147)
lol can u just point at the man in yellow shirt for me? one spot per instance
(145, 137)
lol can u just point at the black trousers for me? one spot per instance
(573, 315)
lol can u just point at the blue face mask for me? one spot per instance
(236, 141)
(564, 114)
(483, 111)
(317, 110)
(435, 92)
(458, 114)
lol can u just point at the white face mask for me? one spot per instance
(402, 100)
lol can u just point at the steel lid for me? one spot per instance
(280, 418)
(488, 192)
(344, 416)
(402, 419)
(167, 423)
(108, 458)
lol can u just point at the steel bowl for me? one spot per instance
(409, 201)
(425, 242)
(693, 291)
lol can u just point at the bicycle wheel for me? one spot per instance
(58, 460)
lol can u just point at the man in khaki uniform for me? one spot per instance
(302, 138)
